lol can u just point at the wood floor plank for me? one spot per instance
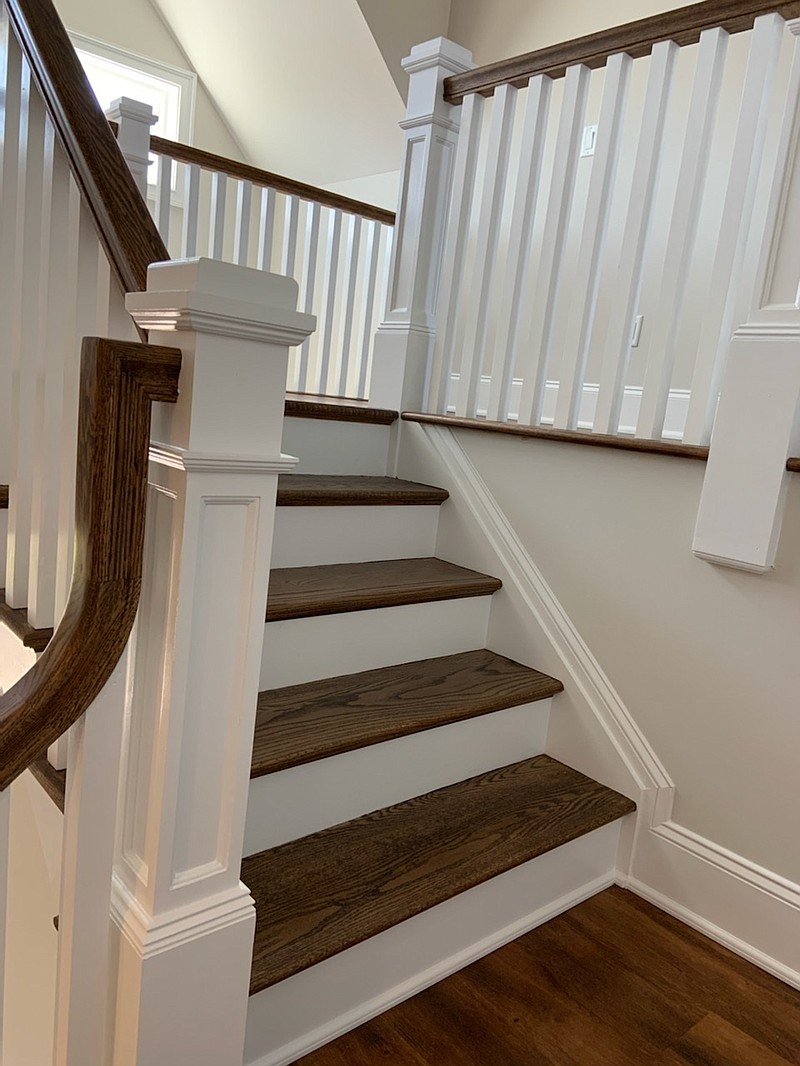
(302, 723)
(339, 490)
(324, 893)
(715, 1042)
(303, 591)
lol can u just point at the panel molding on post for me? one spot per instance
(404, 339)
(758, 420)
(178, 903)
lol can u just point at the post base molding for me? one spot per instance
(150, 935)
(199, 463)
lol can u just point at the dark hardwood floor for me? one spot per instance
(614, 982)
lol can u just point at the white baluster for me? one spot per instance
(5, 822)
(266, 229)
(473, 348)
(541, 301)
(454, 258)
(328, 311)
(310, 256)
(191, 211)
(241, 241)
(214, 476)
(10, 73)
(291, 220)
(368, 323)
(670, 288)
(586, 283)
(350, 272)
(507, 338)
(726, 272)
(164, 196)
(216, 232)
(617, 344)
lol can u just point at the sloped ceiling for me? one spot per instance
(301, 83)
(397, 25)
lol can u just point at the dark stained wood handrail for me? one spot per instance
(184, 153)
(683, 26)
(119, 381)
(124, 224)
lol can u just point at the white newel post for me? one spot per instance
(186, 922)
(758, 420)
(404, 340)
(133, 136)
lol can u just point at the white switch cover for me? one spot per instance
(589, 140)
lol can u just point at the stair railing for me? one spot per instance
(336, 248)
(149, 867)
(606, 200)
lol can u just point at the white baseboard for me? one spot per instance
(745, 907)
(316, 1006)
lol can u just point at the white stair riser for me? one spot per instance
(315, 536)
(300, 1014)
(304, 799)
(307, 649)
(326, 447)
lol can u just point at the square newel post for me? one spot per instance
(185, 920)
(133, 136)
(404, 340)
(757, 426)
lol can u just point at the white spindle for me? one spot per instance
(310, 257)
(726, 272)
(671, 286)
(586, 283)
(290, 227)
(494, 186)
(5, 824)
(617, 344)
(326, 322)
(191, 211)
(163, 196)
(455, 252)
(266, 229)
(241, 242)
(353, 247)
(507, 338)
(368, 325)
(541, 302)
(10, 71)
(216, 232)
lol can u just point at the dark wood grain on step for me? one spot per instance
(338, 490)
(301, 723)
(612, 982)
(565, 436)
(333, 409)
(682, 25)
(303, 591)
(793, 466)
(3, 497)
(16, 618)
(53, 781)
(321, 894)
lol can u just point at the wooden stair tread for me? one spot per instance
(3, 497)
(16, 618)
(301, 723)
(326, 892)
(303, 591)
(336, 409)
(337, 490)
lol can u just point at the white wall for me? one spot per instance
(135, 25)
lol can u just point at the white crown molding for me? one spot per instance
(197, 463)
(406, 328)
(241, 321)
(152, 935)
(431, 119)
(735, 564)
(639, 758)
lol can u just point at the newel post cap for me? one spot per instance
(439, 52)
(126, 108)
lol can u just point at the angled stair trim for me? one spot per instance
(641, 761)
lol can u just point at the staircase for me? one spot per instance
(404, 817)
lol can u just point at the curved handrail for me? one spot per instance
(186, 153)
(682, 25)
(119, 381)
(124, 224)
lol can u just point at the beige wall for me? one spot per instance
(136, 26)
(705, 658)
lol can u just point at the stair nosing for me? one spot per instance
(310, 707)
(331, 490)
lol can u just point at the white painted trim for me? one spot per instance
(230, 318)
(586, 673)
(725, 896)
(736, 564)
(198, 463)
